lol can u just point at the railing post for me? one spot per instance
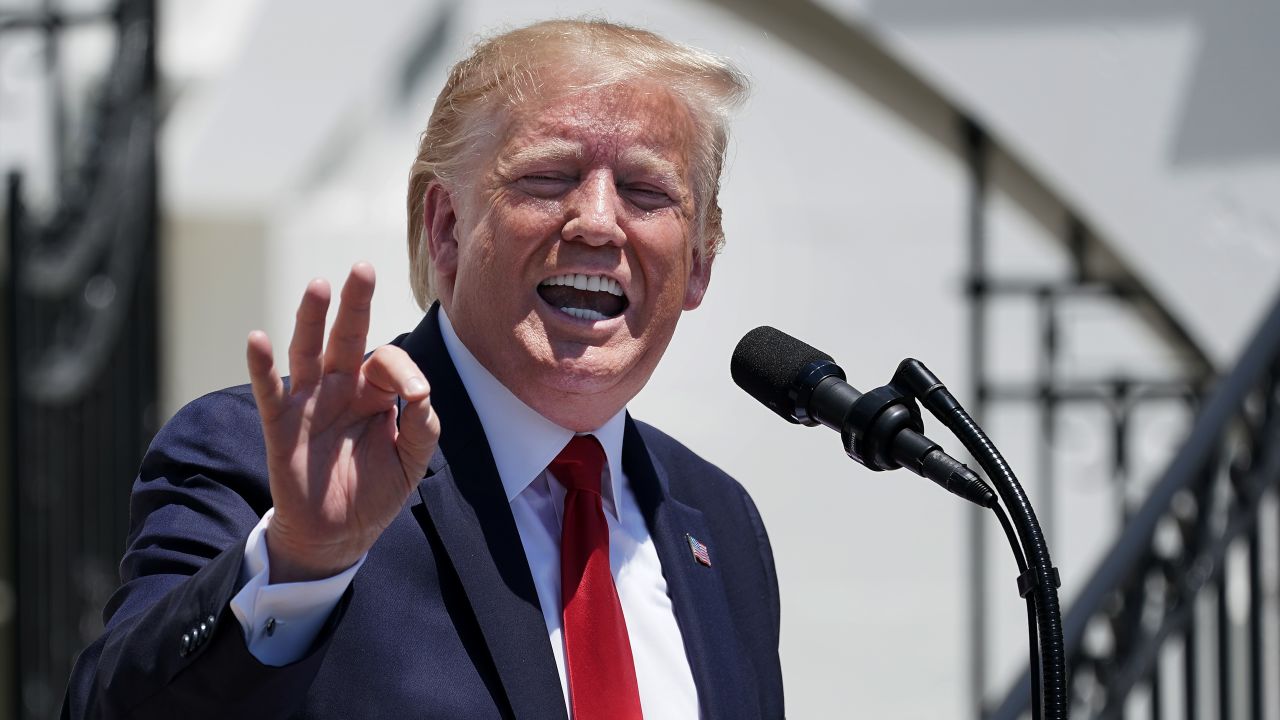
(1048, 368)
(1224, 641)
(976, 153)
(1190, 662)
(13, 392)
(1256, 701)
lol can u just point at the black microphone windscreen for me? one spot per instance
(766, 364)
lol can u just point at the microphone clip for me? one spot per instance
(873, 422)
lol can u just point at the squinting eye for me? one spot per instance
(647, 197)
(544, 186)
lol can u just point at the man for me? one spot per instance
(466, 523)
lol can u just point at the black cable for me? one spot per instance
(1045, 591)
(1032, 635)
(1040, 584)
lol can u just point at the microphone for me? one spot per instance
(880, 429)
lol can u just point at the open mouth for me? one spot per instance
(586, 297)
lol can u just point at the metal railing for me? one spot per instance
(1119, 395)
(80, 305)
(1171, 618)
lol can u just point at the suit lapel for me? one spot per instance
(464, 499)
(725, 683)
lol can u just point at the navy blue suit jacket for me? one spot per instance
(442, 620)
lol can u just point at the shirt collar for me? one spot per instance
(523, 442)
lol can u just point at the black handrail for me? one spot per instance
(1132, 555)
(80, 307)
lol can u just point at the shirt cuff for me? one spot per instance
(281, 621)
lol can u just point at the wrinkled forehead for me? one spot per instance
(631, 119)
(603, 122)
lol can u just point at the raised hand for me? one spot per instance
(340, 469)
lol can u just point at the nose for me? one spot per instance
(593, 212)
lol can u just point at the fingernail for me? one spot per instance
(416, 386)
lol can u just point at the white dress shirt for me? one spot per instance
(280, 621)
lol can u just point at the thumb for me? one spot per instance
(419, 434)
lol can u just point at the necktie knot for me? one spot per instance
(579, 464)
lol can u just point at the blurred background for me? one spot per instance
(1069, 211)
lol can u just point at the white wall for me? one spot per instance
(1159, 120)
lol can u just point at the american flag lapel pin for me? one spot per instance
(699, 550)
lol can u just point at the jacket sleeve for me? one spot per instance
(171, 647)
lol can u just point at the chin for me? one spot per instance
(572, 371)
(587, 374)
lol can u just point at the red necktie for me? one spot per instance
(602, 675)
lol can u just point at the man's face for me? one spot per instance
(595, 187)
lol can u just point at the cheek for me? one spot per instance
(535, 223)
(519, 231)
(477, 251)
(677, 265)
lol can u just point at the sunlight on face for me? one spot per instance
(574, 249)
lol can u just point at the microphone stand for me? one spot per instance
(1038, 581)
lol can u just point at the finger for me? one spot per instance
(390, 370)
(350, 331)
(268, 388)
(308, 336)
(419, 435)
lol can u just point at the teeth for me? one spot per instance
(593, 283)
(583, 313)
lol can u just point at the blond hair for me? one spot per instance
(506, 70)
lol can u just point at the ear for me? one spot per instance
(441, 221)
(696, 286)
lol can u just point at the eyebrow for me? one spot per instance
(552, 150)
(652, 163)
